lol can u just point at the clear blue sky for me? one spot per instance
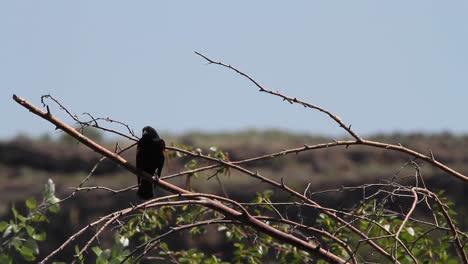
(383, 66)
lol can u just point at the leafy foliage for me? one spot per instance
(427, 242)
(22, 233)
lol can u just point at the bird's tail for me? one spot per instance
(145, 190)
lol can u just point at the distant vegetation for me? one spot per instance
(22, 155)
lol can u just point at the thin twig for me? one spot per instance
(337, 119)
(294, 100)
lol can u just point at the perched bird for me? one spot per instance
(149, 158)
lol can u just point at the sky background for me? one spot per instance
(383, 66)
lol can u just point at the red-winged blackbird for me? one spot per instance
(149, 157)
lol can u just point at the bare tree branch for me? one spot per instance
(290, 100)
(359, 140)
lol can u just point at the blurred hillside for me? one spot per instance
(27, 163)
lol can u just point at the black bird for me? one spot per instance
(149, 157)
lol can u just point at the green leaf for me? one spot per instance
(97, 250)
(268, 193)
(5, 259)
(117, 261)
(15, 228)
(41, 236)
(16, 243)
(17, 215)
(77, 253)
(101, 260)
(7, 231)
(239, 245)
(30, 230)
(27, 253)
(3, 226)
(30, 243)
(164, 246)
(31, 203)
(54, 208)
(38, 218)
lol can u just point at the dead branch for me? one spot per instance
(290, 100)
(337, 119)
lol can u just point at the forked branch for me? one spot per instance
(337, 119)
